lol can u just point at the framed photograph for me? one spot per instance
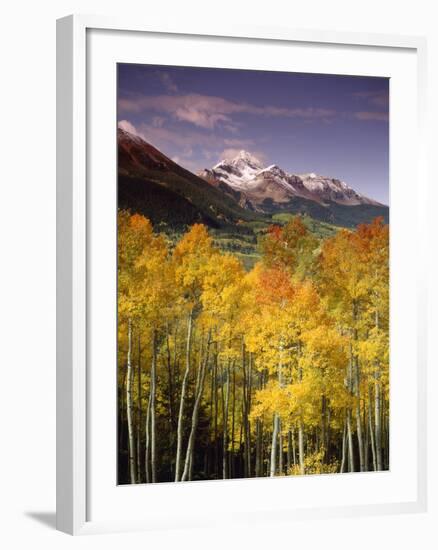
(239, 322)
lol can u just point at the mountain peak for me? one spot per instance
(247, 157)
(245, 173)
(242, 159)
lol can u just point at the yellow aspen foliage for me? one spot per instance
(279, 370)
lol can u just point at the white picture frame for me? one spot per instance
(73, 277)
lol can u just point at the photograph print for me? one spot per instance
(253, 274)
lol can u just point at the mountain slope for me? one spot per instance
(152, 184)
(256, 184)
(336, 214)
(231, 196)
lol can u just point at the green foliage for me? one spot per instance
(332, 213)
(318, 228)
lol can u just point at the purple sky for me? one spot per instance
(328, 124)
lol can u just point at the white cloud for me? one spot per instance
(183, 144)
(211, 111)
(230, 153)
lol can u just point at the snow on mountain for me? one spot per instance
(256, 183)
(238, 172)
(334, 190)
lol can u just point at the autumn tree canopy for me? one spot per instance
(281, 370)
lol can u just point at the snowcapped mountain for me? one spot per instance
(334, 190)
(258, 185)
(231, 194)
(238, 172)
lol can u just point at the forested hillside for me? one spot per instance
(227, 373)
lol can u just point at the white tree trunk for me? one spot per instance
(274, 445)
(358, 418)
(289, 451)
(344, 448)
(147, 451)
(378, 424)
(371, 431)
(350, 442)
(191, 443)
(139, 415)
(301, 447)
(131, 450)
(182, 400)
(276, 430)
(294, 452)
(280, 449)
(378, 411)
(225, 421)
(153, 395)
